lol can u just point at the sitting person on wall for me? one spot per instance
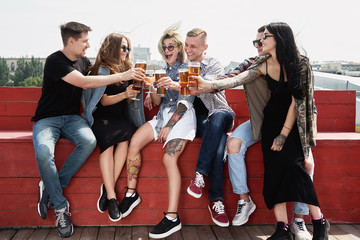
(288, 127)
(106, 110)
(57, 115)
(174, 125)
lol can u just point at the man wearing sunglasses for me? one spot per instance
(237, 145)
(214, 120)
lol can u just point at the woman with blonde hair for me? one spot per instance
(105, 109)
(174, 125)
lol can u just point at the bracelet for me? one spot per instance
(287, 127)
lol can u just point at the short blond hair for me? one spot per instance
(198, 32)
(171, 33)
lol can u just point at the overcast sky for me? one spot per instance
(326, 29)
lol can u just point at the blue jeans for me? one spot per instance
(210, 162)
(237, 167)
(46, 133)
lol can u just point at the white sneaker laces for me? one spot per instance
(240, 208)
(60, 217)
(199, 180)
(219, 207)
(300, 225)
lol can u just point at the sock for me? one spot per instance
(130, 195)
(171, 218)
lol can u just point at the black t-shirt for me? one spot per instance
(59, 97)
(118, 110)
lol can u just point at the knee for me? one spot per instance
(43, 155)
(169, 161)
(233, 145)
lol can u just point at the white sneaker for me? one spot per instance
(244, 209)
(298, 228)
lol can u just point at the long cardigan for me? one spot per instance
(258, 95)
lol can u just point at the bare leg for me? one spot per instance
(142, 137)
(120, 156)
(173, 150)
(315, 211)
(106, 161)
(280, 213)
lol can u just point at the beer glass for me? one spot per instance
(184, 82)
(150, 79)
(137, 85)
(194, 70)
(161, 91)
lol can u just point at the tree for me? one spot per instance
(4, 72)
(31, 82)
(26, 69)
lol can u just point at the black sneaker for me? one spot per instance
(114, 213)
(165, 228)
(63, 223)
(129, 203)
(282, 232)
(321, 229)
(44, 201)
(102, 202)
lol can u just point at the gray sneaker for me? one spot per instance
(44, 201)
(244, 209)
(63, 223)
(298, 228)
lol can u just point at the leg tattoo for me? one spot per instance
(133, 168)
(174, 146)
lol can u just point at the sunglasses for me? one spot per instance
(124, 48)
(265, 36)
(257, 42)
(170, 48)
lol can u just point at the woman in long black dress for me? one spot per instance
(284, 80)
(106, 110)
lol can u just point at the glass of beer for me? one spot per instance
(184, 82)
(140, 64)
(161, 91)
(194, 70)
(149, 80)
(137, 85)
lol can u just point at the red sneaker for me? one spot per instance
(218, 214)
(196, 185)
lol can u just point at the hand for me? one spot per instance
(308, 165)
(278, 143)
(148, 102)
(203, 86)
(163, 134)
(195, 92)
(133, 73)
(167, 82)
(130, 92)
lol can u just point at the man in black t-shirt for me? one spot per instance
(57, 115)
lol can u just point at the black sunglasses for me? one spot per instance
(170, 48)
(257, 42)
(124, 48)
(265, 36)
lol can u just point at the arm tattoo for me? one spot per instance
(179, 112)
(280, 140)
(174, 146)
(238, 80)
(133, 168)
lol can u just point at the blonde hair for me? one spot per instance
(171, 33)
(198, 32)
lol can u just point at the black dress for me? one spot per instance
(285, 179)
(112, 124)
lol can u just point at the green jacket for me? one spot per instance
(258, 95)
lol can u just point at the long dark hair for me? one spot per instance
(109, 55)
(288, 57)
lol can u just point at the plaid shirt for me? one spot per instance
(210, 68)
